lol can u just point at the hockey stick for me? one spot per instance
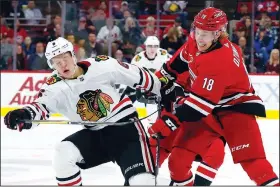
(87, 123)
(157, 137)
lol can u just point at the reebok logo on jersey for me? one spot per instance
(237, 148)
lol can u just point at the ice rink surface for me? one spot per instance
(26, 158)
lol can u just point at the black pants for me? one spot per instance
(126, 145)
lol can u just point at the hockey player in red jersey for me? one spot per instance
(183, 149)
(220, 85)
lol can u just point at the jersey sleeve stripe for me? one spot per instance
(42, 109)
(146, 83)
(202, 101)
(194, 106)
(151, 82)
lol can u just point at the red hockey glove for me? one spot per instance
(163, 127)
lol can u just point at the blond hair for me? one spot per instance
(271, 54)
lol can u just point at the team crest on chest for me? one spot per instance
(53, 79)
(99, 58)
(93, 105)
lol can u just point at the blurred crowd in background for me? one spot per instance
(119, 29)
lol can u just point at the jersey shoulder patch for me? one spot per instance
(163, 52)
(53, 79)
(100, 58)
(138, 58)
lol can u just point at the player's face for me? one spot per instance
(204, 39)
(151, 50)
(64, 64)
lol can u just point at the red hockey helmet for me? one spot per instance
(210, 19)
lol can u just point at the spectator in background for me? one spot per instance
(118, 12)
(49, 31)
(271, 31)
(71, 38)
(28, 47)
(21, 60)
(32, 13)
(5, 31)
(109, 32)
(246, 25)
(119, 56)
(273, 66)
(92, 48)
(81, 54)
(271, 7)
(132, 33)
(151, 28)
(10, 13)
(38, 61)
(242, 12)
(177, 24)
(173, 41)
(81, 31)
(6, 52)
(246, 52)
(263, 46)
(21, 32)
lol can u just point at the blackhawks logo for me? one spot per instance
(162, 52)
(93, 105)
(138, 58)
(53, 79)
(99, 58)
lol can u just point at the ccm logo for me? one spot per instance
(170, 124)
(240, 147)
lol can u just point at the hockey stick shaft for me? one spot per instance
(88, 123)
(157, 146)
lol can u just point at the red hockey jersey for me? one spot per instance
(219, 79)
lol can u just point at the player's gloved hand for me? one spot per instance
(166, 124)
(164, 72)
(169, 93)
(181, 110)
(143, 96)
(12, 119)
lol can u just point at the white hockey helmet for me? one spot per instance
(152, 40)
(57, 47)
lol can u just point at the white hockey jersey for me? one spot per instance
(142, 60)
(92, 96)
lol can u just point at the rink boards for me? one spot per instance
(20, 88)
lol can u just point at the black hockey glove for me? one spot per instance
(12, 119)
(143, 96)
(169, 93)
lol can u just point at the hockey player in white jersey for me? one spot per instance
(152, 58)
(84, 91)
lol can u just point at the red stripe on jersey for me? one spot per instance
(206, 172)
(199, 104)
(72, 183)
(146, 153)
(120, 103)
(42, 112)
(147, 79)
